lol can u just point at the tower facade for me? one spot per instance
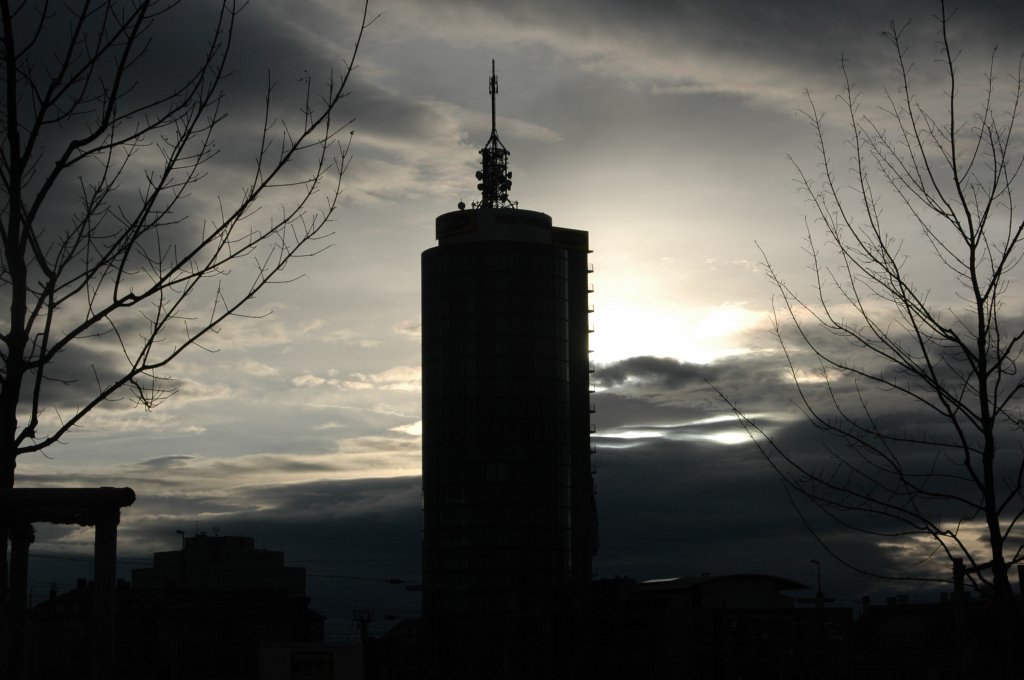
(509, 519)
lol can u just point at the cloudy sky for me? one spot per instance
(664, 129)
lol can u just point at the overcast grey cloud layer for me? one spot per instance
(661, 127)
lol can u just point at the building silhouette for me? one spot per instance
(220, 563)
(725, 627)
(509, 514)
(205, 612)
(954, 637)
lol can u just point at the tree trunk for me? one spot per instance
(1007, 623)
(8, 425)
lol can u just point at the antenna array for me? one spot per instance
(494, 177)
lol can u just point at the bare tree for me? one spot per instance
(905, 355)
(115, 256)
(111, 262)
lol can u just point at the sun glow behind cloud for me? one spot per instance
(637, 326)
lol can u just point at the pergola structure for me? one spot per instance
(101, 508)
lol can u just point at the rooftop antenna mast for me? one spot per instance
(494, 178)
(492, 87)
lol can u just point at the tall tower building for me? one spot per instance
(508, 495)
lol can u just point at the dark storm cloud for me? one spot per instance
(339, 499)
(164, 462)
(796, 41)
(757, 379)
(675, 508)
(320, 517)
(307, 39)
(268, 42)
(661, 372)
(396, 117)
(806, 33)
(621, 410)
(303, 504)
(265, 51)
(671, 492)
(73, 377)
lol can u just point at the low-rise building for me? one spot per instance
(201, 612)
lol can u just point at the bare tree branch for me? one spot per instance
(133, 272)
(873, 349)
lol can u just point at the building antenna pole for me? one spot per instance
(494, 90)
(494, 179)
